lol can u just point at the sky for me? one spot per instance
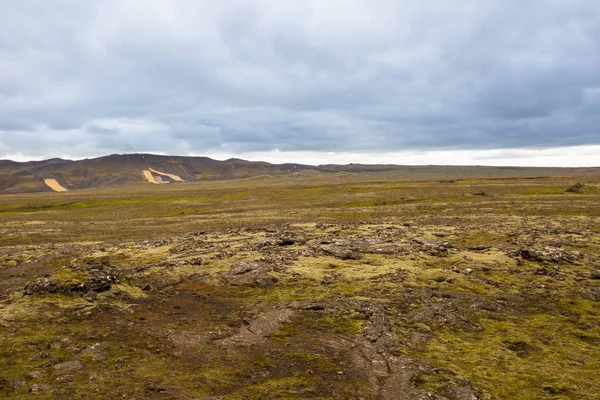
(474, 82)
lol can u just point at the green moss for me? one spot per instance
(55, 262)
(347, 288)
(298, 386)
(262, 362)
(317, 362)
(285, 332)
(69, 277)
(351, 324)
(553, 361)
(132, 292)
(536, 336)
(303, 290)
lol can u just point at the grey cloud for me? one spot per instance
(86, 78)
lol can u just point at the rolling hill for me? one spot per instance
(121, 169)
(112, 170)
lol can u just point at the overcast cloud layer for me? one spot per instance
(89, 78)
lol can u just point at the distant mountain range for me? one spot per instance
(118, 169)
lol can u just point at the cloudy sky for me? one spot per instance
(434, 81)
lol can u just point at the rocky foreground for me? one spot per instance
(398, 310)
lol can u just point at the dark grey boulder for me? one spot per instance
(250, 273)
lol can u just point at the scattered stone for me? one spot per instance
(196, 261)
(398, 276)
(91, 295)
(541, 271)
(97, 351)
(465, 391)
(41, 355)
(42, 285)
(514, 271)
(64, 379)
(341, 252)
(488, 281)
(42, 387)
(69, 366)
(479, 247)
(36, 374)
(378, 323)
(545, 271)
(547, 254)
(330, 277)
(97, 347)
(576, 188)
(286, 241)
(251, 273)
(78, 279)
(554, 391)
(595, 274)
(312, 306)
(480, 193)
(18, 383)
(121, 362)
(433, 247)
(468, 271)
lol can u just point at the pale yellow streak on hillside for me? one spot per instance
(54, 185)
(149, 176)
(174, 177)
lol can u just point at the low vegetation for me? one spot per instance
(367, 285)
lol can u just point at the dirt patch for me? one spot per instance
(265, 325)
(149, 177)
(54, 185)
(176, 178)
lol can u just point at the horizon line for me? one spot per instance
(583, 156)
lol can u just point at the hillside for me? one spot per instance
(121, 169)
(114, 170)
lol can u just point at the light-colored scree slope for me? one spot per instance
(148, 175)
(174, 177)
(54, 185)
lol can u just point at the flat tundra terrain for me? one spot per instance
(305, 286)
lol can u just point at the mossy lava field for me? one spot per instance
(305, 286)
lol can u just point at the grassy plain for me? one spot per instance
(385, 285)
